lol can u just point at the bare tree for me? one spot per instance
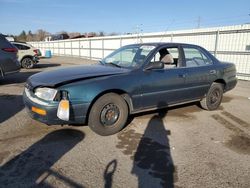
(22, 37)
(41, 34)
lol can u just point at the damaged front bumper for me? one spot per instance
(78, 110)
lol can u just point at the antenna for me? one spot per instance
(167, 29)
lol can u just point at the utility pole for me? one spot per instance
(199, 22)
(138, 33)
(140, 36)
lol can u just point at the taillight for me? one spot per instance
(36, 51)
(10, 50)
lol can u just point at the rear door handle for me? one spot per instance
(212, 72)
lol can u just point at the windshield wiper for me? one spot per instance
(114, 64)
(101, 62)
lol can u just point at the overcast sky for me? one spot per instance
(125, 16)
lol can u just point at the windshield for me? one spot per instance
(128, 56)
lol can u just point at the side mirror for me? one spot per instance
(155, 65)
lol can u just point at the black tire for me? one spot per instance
(27, 63)
(108, 115)
(213, 98)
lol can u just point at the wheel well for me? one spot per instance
(122, 93)
(27, 56)
(221, 81)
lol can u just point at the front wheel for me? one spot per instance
(213, 98)
(108, 115)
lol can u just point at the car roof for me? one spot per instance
(159, 44)
(21, 43)
(17, 42)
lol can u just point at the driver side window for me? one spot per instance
(169, 56)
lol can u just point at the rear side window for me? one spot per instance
(195, 58)
(18, 46)
(22, 47)
(25, 47)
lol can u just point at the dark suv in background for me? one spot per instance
(8, 57)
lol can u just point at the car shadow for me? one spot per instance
(46, 65)
(10, 105)
(23, 75)
(17, 78)
(31, 168)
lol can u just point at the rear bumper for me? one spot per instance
(36, 59)
(77, 111)
(231, 84)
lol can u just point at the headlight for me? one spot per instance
(47, 94)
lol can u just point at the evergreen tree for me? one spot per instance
(22, 37)
(29, 36)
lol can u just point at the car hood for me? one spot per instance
(62, 76)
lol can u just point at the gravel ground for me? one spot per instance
(183, 146)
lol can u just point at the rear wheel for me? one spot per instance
(108, 115)
(27, 63)
(213, 98)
